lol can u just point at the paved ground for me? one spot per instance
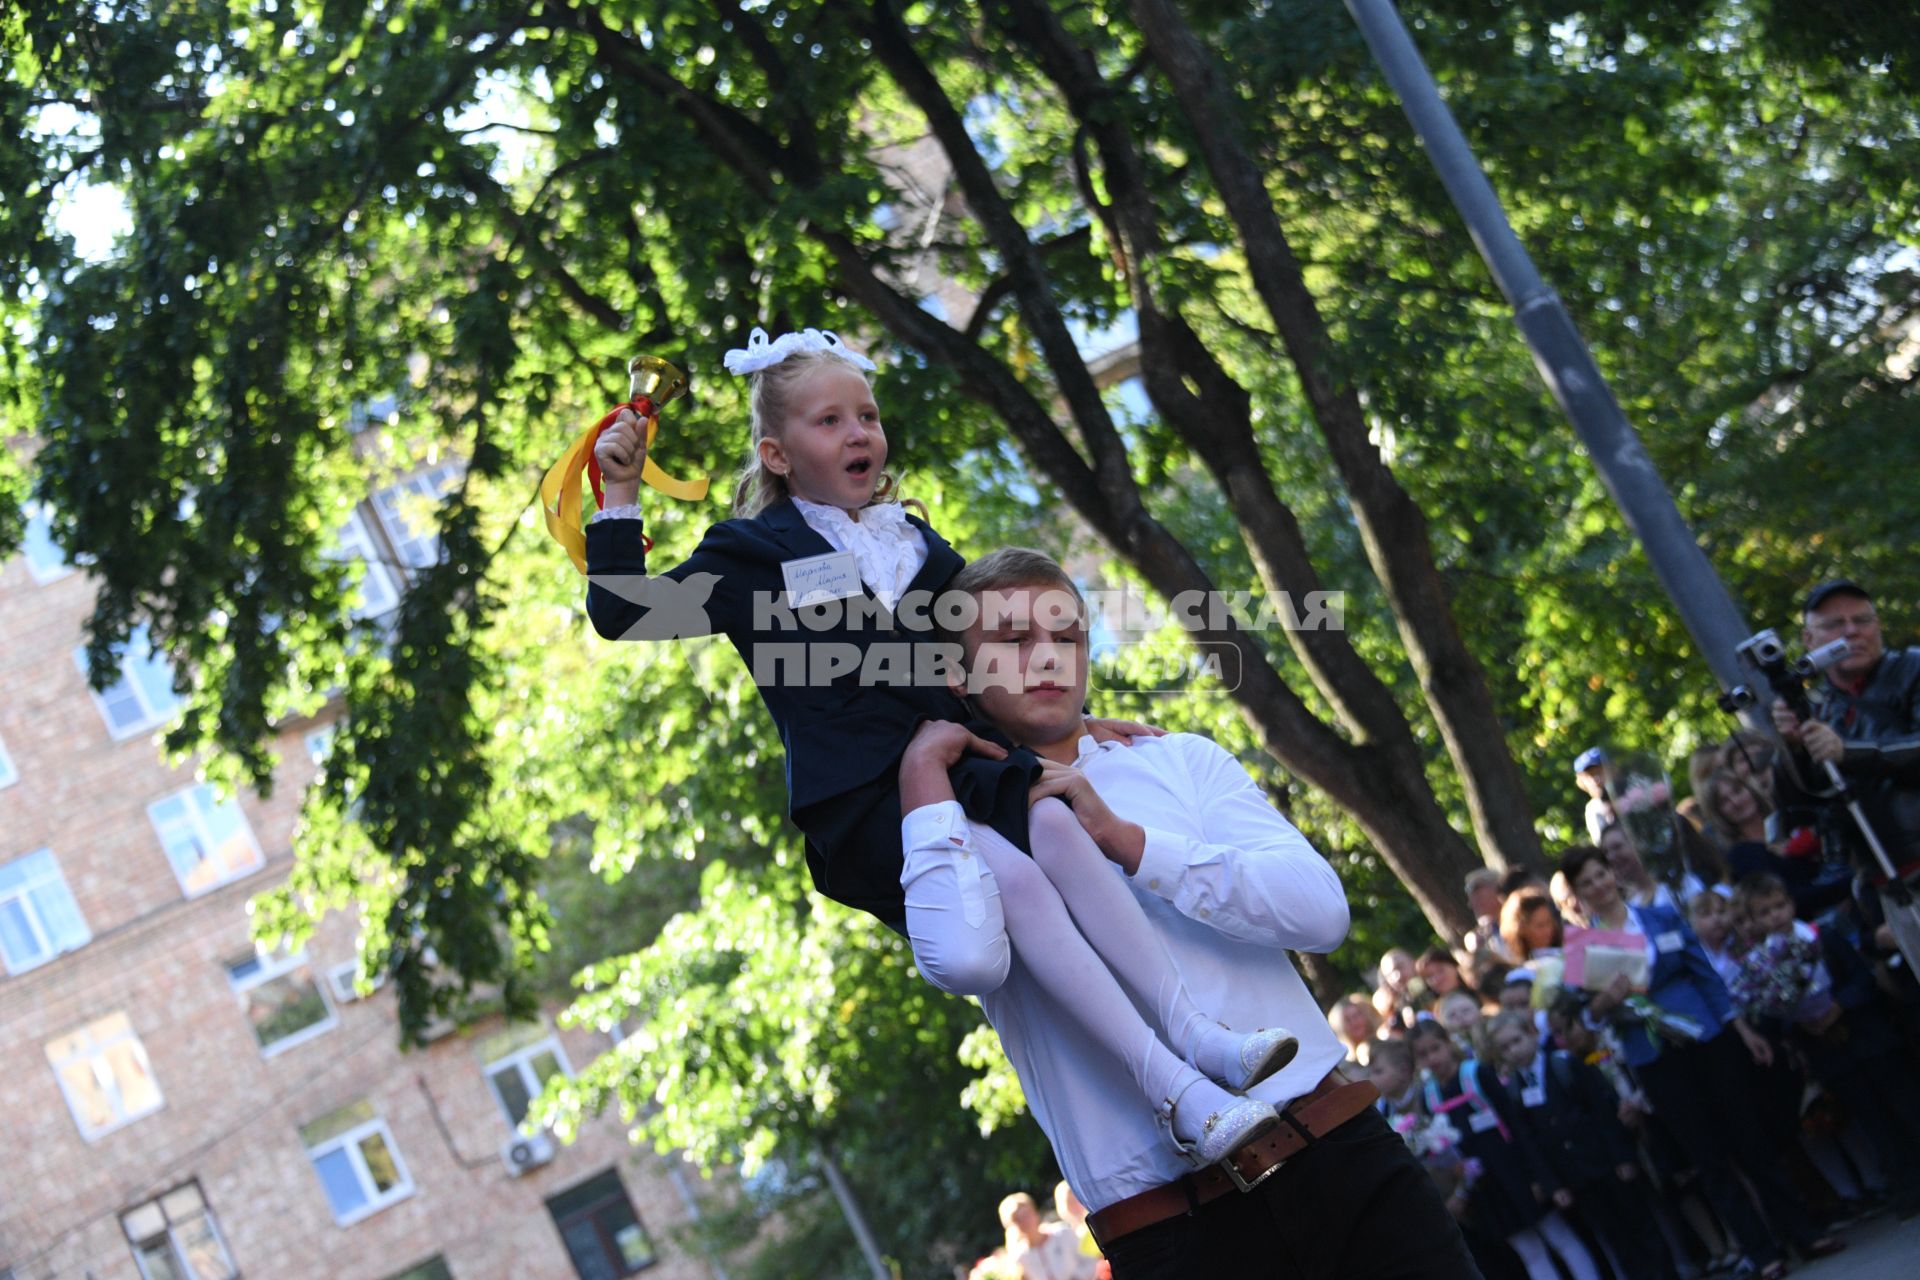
(1883, 1249)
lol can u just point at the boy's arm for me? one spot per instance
(1249, 873)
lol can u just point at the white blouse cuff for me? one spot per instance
(629, 512)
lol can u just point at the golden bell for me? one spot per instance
(656, 379)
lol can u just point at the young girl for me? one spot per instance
(1510, 1197)
(815, 517)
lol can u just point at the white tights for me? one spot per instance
(1081, 933)
(1532, 1243)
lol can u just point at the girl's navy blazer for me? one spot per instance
(843, 740)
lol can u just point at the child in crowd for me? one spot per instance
(1356, 1026)
(1711, 915)
(1811, 988)
(1575, 1113)
(1511, 1197)
(1390, 1068)
(1517, 995)
(1461, 1015)
(1440, 971)
(815, 498)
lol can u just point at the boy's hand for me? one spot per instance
(1123, 842)
(1121, 731)
(621, 452)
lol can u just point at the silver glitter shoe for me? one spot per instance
(1226, 1131)
(1262, 1053)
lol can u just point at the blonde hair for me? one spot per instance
(1016, 1238)
(1710, 802)
(771, 397)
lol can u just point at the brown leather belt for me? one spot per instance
(1312, 1115)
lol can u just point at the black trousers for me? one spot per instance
(1705, 1094)
(1355, 1205)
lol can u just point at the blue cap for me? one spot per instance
(1589, 758)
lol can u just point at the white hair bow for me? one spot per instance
(762, 352)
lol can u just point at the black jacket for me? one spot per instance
(1881, 728)
(843, 739)
(1577, 1121)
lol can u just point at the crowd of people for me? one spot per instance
(1743, 1078)
(1043, 1247)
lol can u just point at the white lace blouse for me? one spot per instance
(888, 549)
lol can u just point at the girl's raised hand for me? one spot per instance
(621, 449)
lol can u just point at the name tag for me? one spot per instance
(1666, 942)
(817, 579)
(1533, 1096)
(1482, 1121)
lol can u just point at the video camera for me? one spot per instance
(1765, 654)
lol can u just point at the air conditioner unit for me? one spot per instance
(523, 1154)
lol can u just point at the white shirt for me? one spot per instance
(888, 549)
(1229, 885)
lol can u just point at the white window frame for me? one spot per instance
(522, 1061)
(172, 1238)
(152, 716)
(275, 964)
(8, 773)
(415, 549)
(202, 837)
(96, 1049)
(38, 514)
(52, 876)
(349, 1141)
(341, 977)
(379, 588)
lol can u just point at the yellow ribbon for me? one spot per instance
(562, 499)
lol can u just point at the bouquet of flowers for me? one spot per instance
(1677, 1027)
(1436, 1144)
(1643, 802)
(1785, 977)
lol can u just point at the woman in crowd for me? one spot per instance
(1534, 933)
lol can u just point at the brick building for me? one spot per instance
(178, 1105)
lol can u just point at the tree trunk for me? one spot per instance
(1392, 528)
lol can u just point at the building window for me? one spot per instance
(377, 592)
(8, 774)
(38, 916)
(174, 1237)
(602, 1234)
(434, 1268)
(207, 839)
(45, 560)
(143, 695)
(408, 512)
(344, 978)
(283, 1003)
(104, 1073)
(354, 1153)
(519, 1061)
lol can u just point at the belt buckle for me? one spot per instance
(1234, 1175)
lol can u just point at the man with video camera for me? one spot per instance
(1866, 721)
